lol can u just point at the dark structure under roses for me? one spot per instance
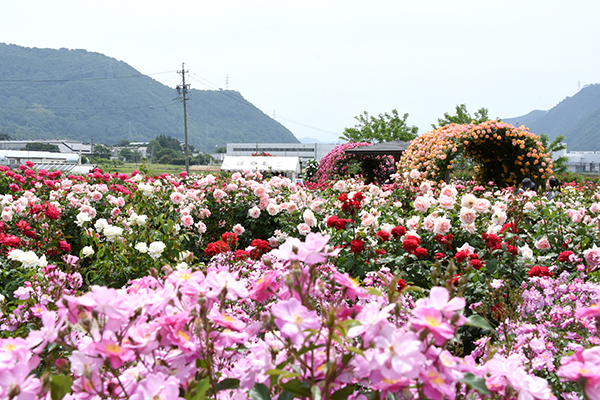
(394, 149)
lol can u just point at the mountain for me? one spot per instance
(76, 94)
(577, 118)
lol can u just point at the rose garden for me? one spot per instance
(234, 286)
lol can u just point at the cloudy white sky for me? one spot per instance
(317, 64)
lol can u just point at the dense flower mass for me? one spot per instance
(233, 287)
(503, 154)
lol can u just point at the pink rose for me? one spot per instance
(542, 244)
(442, 226)
(421, 204)
(467, 216)
(303, 229)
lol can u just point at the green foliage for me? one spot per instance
(52, 148)
(221, 150)
(5, 136)
(101, 151)
(76, 94)
(311, 168)
(384, 128)
(463, 117)
(559, 166)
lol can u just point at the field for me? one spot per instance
(230, 286)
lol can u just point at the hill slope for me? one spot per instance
(576, 117)
(76, 94)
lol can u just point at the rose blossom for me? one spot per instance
(543, 244)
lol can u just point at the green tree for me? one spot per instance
(42, 147)
(221, 150)
(384, 128)
(124, 143)
(5, 136)
(102, 151)
(559, 165)
(463, 117)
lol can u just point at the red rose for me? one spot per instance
(439, 256)
(420, 252)
(398, 232)
(461, 255)
(230, 238)
(400, 285)
(477, 264)
(384, 236)
(565, 256)
(357, 246)
(536, 270)
(411, 243)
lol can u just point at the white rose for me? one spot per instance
(87, 251)
(141, 247)
(155, 249)
(29, 259)
(112, 233)
(101, 224)
(309, 217)
(82, 218)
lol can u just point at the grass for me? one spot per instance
(156, 169)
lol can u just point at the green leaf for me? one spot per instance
(343, 393)
(475, 382)
(374, 291)
(228, 383)
(199, 392)
(60, 385)
(356, 350)
(259, 392)
(286, 396)
(479, 322)
(297, 387)
(491, 266)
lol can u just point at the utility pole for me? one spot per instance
(182, 90)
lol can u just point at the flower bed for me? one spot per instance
(125, 286)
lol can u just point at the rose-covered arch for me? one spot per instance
(501, 152)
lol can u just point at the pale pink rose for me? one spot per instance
(449, 191)
(232, 187)
(425, 186)
(260, 191)
(218, 194)
(446, 202)
(317, 205)
(467, 215)
(413, 223)
(177, 197)
(238, 229)
(468, 200)
(529, 206)
(187, 220)
(77, 188)
(500, 206)
(201, 227)
(340, 186)
(481, 205)
(254, 212)
(542, 244)
(309, 218)
(264, 202)
(115, 211)
(429, 223)
(421, 204)
(592, 257)
(595, 208)
(442, 226)
(95, 196)
(273, 209)
(466, 247)
(499, 217)
(303, 229)
(471, 228)
(273, 242)
(577, 217)
(120, 201)
(414, 174)
(236, 176)
(89, 210)
(292, 207)
(368, 219)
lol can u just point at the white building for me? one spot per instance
(64, 146)
(581, 161)
(305, 151)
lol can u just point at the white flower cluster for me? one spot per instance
(137, 220)
(154, 250)
(111, 232)
(28, 259)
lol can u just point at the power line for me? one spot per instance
(79, 79)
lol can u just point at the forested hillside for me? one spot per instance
(577, 118)
(76, 94)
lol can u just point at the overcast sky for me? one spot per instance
(317, 64)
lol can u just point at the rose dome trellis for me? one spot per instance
(335, 164)
(501, 152)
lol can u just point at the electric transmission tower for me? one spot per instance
(182, 91)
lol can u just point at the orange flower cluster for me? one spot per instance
(501, 152)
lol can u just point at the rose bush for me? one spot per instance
(127, 286)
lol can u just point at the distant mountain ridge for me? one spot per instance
(576, 117)
(76, 94)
